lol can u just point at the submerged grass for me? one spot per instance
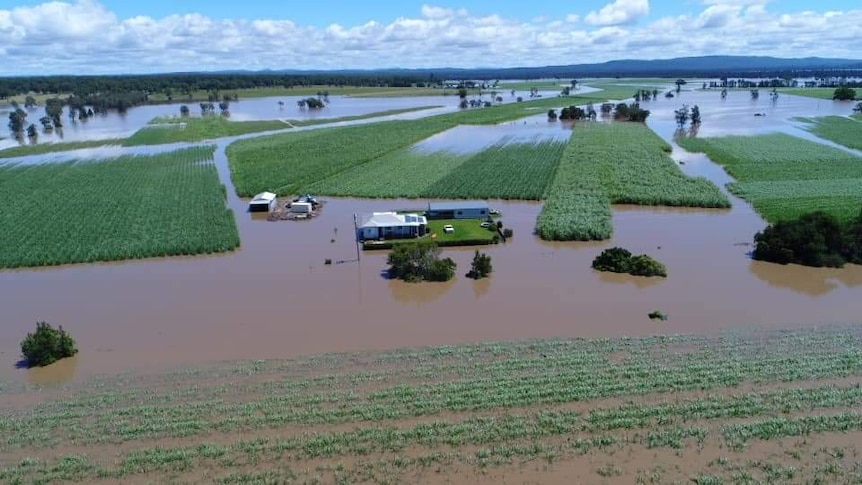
(615, 163)
(124, 208)
(818, 93)
(43, 148)
(192, 129)
(784, 176)
(480, 405)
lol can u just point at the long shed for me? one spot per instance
(262, 202)
(463, 209)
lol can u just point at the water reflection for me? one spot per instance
(806, 280)
(481, 287)
(419, 293)
(54, 375)
(626, 279)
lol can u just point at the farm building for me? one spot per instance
(390, 225)
(262, 202)
(464, 209)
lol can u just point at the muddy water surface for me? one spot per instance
(275, 298)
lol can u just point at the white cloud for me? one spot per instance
(619, 12)
(83, 37)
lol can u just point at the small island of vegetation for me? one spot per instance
(47, 345)
(619, 260)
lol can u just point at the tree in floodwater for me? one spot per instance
(695, 115)
(184, 111)
(755, 93)
(480, 267)
(17, 120)
(552, 115)
(30, 102)
(47, 345)
(724, 94)
(224, 107)
(679, 84)
(32, 132)
(681, 116)
(419, 261)
(46, 124)
(54, 110)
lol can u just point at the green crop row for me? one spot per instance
(615, 163)
(785, 176)
(124, 208)
(289, 162)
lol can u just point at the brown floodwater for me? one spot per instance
(275, 297)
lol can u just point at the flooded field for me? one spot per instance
(275, 298)
(117, 125)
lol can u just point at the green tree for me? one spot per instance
(32, 132)
(47, 345)
(480, 267)
(184, 110)
(552, 115)
(643, 265)
(615, 260)
(815, 239)
(419, 261)
(30, 102)
(844, 93)
(681, 116)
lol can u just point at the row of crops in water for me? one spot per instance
(490, 404)
(124, 208)
(505, 170)
(784, 176)
(616, 163)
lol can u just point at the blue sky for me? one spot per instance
(112, 36)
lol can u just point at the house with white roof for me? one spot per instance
(390, 225)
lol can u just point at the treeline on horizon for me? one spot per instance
(181, 85)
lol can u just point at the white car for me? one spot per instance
(485, 224)
(448, 228)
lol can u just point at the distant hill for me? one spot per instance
(680, 66)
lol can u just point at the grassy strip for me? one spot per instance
(841, 130)
(505, 170)
(42, 148)
(818, 93)
(785, 176)
(624, 163)
(125, 208)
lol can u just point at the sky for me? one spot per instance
(122, 36)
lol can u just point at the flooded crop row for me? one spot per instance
(275, 297)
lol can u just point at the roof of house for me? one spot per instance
(264, 196)
(457, 205)
(390, 219)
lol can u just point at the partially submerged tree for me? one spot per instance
(619, 260)
(681, 116)
(47, 345)
(419, 261)
(815, 239)
(695, 115)
(480, 267)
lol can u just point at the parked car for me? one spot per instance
(448, 229)
(485, 224)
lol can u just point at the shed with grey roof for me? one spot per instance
(463, 209)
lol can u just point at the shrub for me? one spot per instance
(844, 93)
(47, 345)
(619, 260)
(441, 270)
(657, 315)
(480, 267)
(615, 260)
(643, 265)
(507, 233)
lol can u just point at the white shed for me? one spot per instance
(300, 207)
(262, 202)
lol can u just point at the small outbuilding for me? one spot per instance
(390, 225)
(262, 202)
(464, 209)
